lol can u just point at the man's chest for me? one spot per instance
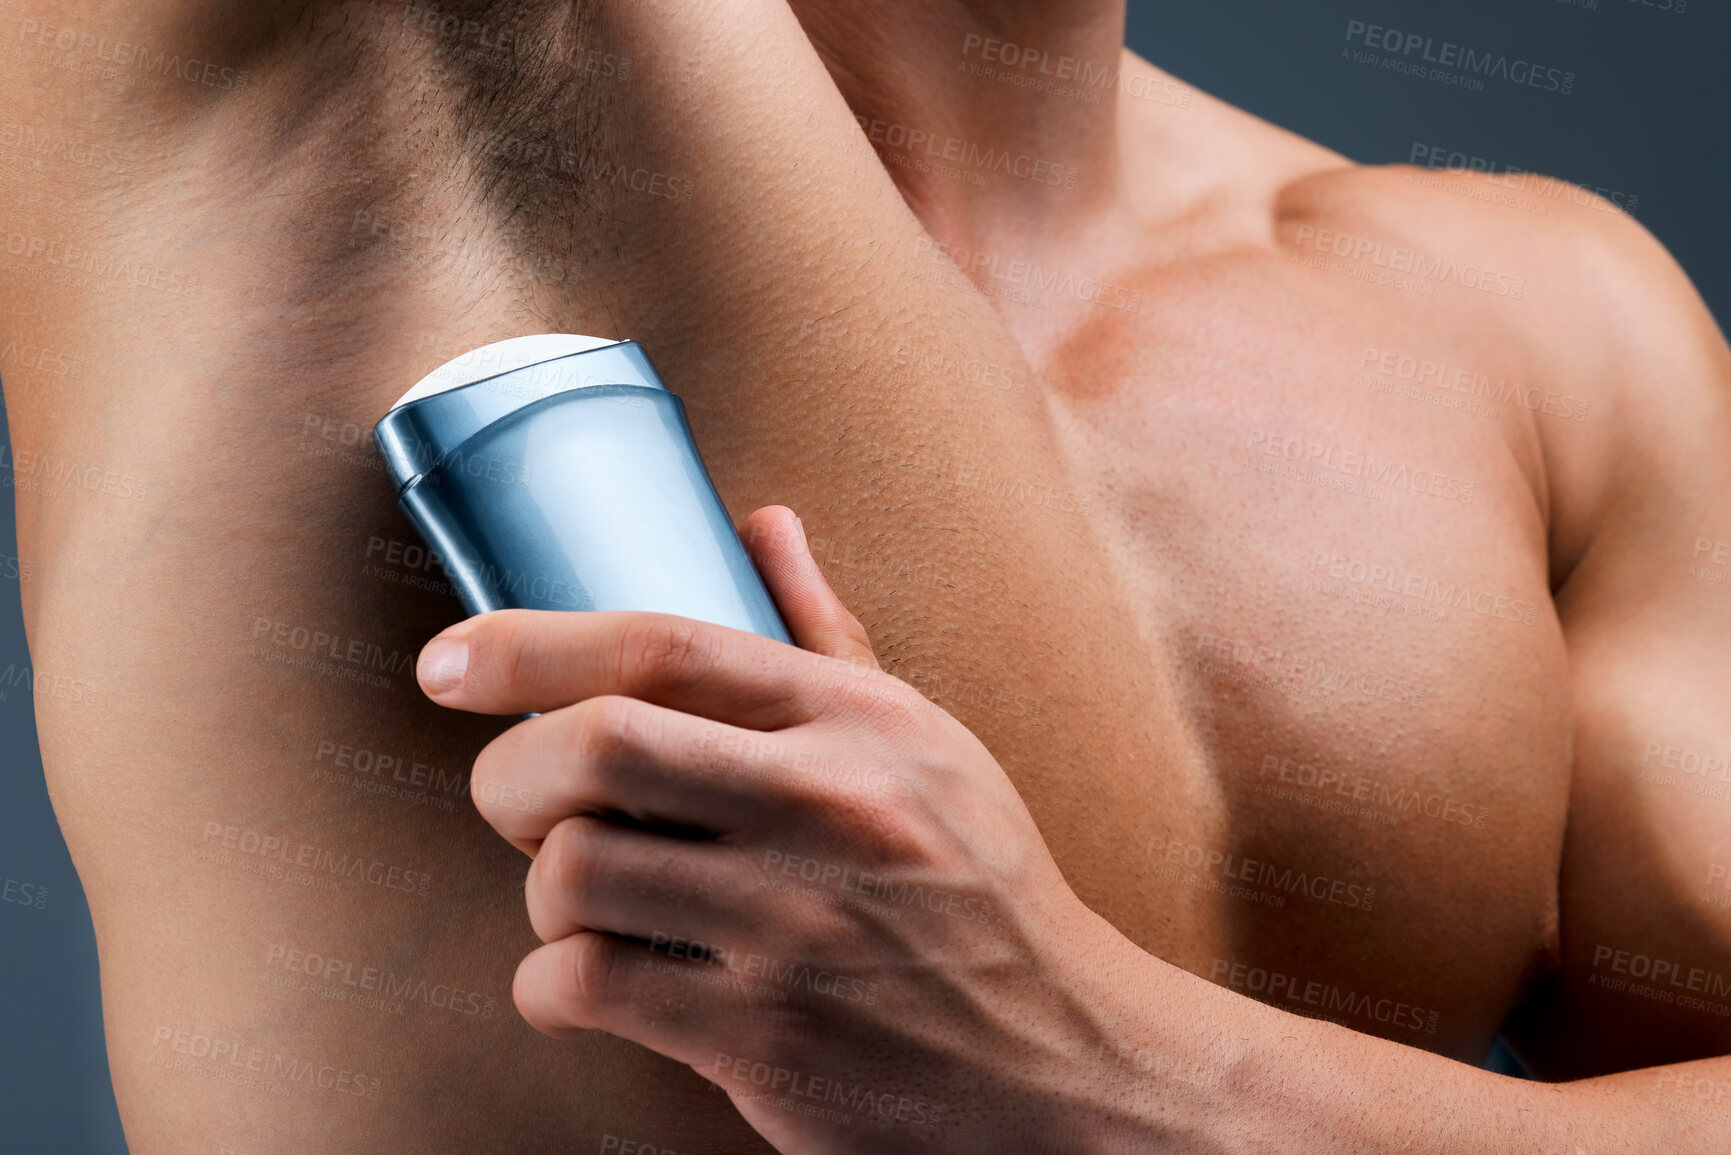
(1331, 551)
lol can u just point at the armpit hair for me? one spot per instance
(532, 80)
(458, 137)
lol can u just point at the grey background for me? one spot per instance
(1648, 116)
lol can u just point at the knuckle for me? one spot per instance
(906, 837)
(502, 651)
(571, 856)
(602, 732)
(810, 795)
(894, 832)
(856, 815)
(493, 770)
(483, 781)
(886, 703)
(899, 825)
(661, 650)
(589, 972)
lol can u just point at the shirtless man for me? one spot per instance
(1326, 701)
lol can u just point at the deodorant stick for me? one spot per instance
(557, 472)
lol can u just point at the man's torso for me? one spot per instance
(1315, 488)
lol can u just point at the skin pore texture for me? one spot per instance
(1119, 424)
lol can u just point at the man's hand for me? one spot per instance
(784, 868)
(790, 871)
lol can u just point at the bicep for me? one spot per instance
(1645, 877)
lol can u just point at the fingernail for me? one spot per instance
(443, 664)
(799, 530)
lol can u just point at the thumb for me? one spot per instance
(775, 538)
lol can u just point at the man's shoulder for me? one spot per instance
(1581, 298)
(1549, 262)
(1582, 288)
(1558, 262)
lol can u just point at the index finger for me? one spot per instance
(533, 661)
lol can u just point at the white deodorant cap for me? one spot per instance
(500, 357)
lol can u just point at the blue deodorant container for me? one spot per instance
(557, 472)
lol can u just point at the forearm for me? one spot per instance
(1206, 1070)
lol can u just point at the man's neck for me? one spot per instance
(983, 110)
